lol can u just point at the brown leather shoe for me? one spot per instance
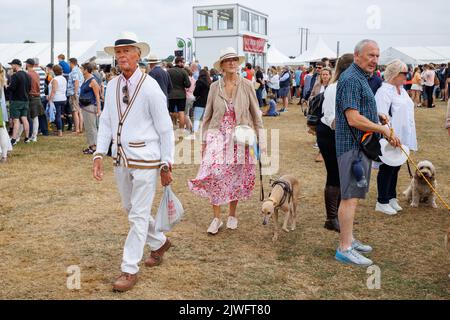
(125, 282)
(155, 258)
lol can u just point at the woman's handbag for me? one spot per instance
(244, 135)
(84, 101)
(257, 85)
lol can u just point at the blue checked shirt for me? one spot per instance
(75, 74)
(353, 92)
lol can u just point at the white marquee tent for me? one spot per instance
(315, 53)
(416, 55)
(275, 57)
(82, 50)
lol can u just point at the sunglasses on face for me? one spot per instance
(126, 97)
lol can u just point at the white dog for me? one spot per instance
(419, 191)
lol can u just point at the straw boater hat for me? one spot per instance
(153, 58)
(128, 39)
(226, 54)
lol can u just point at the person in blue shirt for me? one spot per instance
(272, 112)
(64, 65)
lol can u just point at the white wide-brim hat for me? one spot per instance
(128, 39)
(153, 58)
(228, 53)
(392, 156)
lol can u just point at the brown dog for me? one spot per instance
(283, 196)
(419, 191)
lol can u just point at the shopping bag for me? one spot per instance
(169, 212)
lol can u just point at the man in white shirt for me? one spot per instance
(135, 118)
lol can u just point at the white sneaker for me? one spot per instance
(232, 223)
(360, 247)
(394, 204)
(351, 256)
(215, 225)
(33, 139)
(385, 208)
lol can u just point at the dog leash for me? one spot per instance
(426, 180)
(261, 194)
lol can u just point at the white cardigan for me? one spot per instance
(402, 108)
(145, 139)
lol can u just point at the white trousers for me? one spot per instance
(137, 189)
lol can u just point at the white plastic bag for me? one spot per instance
(169, 212)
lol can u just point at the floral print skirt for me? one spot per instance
(227, 171)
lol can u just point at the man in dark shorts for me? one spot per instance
(177, 97)
(18, 90)
(35, 105)
(356, 110)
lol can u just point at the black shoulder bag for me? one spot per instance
(369, 143)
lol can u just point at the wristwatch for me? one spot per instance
(164, 168)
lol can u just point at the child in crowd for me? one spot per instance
(272, 112)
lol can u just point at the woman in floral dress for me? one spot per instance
(227, 171)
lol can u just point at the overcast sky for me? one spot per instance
(159, 22)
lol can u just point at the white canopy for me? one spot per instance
(82, 50)
(416, 55)
(317, 52)
(275, 57)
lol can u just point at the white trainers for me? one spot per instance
(351, 256)
(360, 247)
(385, 208)
(394, 204)
(33, 139)
(232, 223)
(215, 225)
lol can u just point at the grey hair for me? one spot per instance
(360, 45)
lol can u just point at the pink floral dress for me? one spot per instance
(227, 171)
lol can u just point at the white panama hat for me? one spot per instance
(228, 53)
(128, 39)
(153, 58)
(392, 156)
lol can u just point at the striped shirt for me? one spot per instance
(353, 92)
(42, 77)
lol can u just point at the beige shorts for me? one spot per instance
(73, 100)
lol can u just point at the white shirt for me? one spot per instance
(329, 104)
(274, 82)
(60, 94)
(402, 108)
(131, 83)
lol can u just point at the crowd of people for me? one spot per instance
(140, 106)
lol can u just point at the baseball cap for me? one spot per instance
(30, 61)
(16, 61)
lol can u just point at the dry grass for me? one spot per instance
(53, 215)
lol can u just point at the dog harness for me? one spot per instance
(287, 191)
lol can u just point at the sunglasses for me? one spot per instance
(126, 97)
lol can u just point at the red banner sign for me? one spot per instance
(253, 44)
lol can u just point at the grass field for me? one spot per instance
(54, 215)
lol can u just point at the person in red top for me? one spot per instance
(248, 72)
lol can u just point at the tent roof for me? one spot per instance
(82, 50)
(275, 57)
(416, 55)
(317, 52)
